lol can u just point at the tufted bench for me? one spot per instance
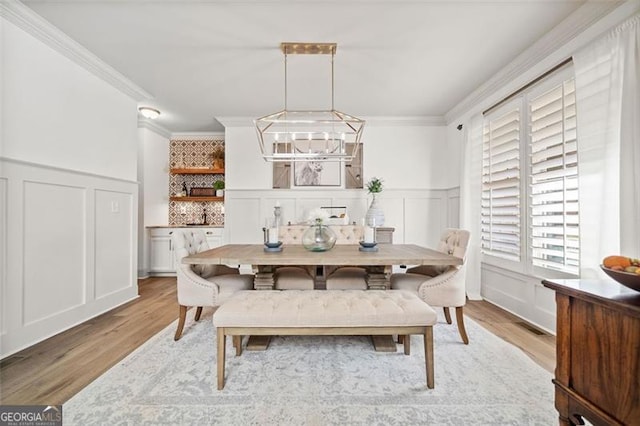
(330, 312)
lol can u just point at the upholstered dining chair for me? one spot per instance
(303, 277)
(202, 285)
(293, 277)
(441, 286)
(347, 277)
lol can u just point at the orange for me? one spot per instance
(622, 261)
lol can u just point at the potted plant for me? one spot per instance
(219, 187)
(375, 215)
(218, 158)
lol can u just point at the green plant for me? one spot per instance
(219, 184)
(374, 185)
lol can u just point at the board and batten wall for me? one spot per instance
(68, 192)
(420, 173)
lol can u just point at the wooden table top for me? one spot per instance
(387, 254)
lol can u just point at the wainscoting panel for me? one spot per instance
(426, 218)
(423, 220)
(68, 256)
(244, 219)
(392, 205)
(519, 294)
(453, 208)
(3, 254)
(114, 247)
(54, 244)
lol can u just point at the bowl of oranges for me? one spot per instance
(625, 270)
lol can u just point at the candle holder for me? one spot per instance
(368, 242)
(271, 236)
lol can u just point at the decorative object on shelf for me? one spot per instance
(375, 215)
(218, 186)
(218, 158)
(185, 191)
(318, 237)
(148, 112)
(202, 192)
(318, 135)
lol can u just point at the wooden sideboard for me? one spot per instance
(598, 352)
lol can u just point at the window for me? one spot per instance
(530, 179)
(501, 185)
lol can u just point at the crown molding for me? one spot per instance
(369, 121)
(26, 19)
(564, 32)
(405, 121)
(197, 135)
(154, 127)
(236, 121)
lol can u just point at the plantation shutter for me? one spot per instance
(554, 180)
(501, 186)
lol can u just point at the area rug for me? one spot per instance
(319, 380)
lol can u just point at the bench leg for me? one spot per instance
(237, 343)
(406, 339)
(220, 361)
(428, 356)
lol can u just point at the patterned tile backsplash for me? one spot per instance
(188, 153)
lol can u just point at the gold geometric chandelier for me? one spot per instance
(323, 135)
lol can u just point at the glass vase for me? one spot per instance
(318, 237)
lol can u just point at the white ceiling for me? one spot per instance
(221, 58)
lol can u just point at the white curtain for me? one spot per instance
(608, 111)
(470, 201)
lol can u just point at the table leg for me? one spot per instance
(263, 277)
(384, 343)
(258, 343)
(378, 277)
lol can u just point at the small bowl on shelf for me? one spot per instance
(627, 279)
(273, 245)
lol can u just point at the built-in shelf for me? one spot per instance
(203, 199)
(197, 171)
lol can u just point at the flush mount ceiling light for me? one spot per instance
(325, 135)
(148, 112)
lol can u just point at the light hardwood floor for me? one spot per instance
(54, 370)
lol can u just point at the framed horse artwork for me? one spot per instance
(317, 173)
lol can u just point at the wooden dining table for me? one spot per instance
(377, 263)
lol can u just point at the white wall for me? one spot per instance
(69, 193)
(414, 160)
(153, 175)
(59, 114)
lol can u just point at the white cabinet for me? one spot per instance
(161, 254)
(214, 237)
(161, 251)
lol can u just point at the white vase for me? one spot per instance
(375, 215)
